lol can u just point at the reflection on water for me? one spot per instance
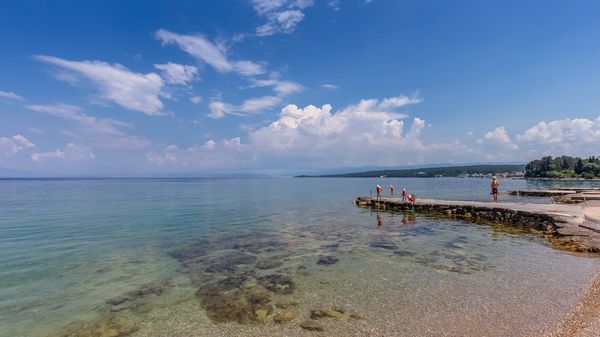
(185, 258)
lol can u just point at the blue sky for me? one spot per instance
(157, 87)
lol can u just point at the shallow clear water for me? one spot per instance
(95, 257)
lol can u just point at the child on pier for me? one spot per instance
(404, 195)
(412, 198)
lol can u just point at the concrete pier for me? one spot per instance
(565, 226)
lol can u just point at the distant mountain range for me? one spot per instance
(426, 172)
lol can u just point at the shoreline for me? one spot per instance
(566, 227)
(584, 321)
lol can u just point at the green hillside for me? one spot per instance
(428, 172)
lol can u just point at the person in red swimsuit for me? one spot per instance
(404, 195)
(379, 190)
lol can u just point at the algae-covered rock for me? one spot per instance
(311, 325)
(327, 260)
(283, 317)
(268, 264)
(235, 305)
(284, 303)
(107, 326)
(277, 283)
(331, 312)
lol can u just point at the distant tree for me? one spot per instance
(564, 167)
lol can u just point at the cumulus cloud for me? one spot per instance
(131, 90)
(101, 132)
(374, 132)
(227, 153)
(177, 74)
(72, 152)
(210, 53)
(282, 16)
(14, 144)
(366, 127)
(498, 138)
(10, 95)
(575, 131)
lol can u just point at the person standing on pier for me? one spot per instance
(379, 190)
(404, 195)
(495, 185)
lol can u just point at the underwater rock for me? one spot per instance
(268, 264)
(327, 260)
(190, 252)
(401, 252)
(235, 305)
(331, 248)
(155, 288)
(229, 263)
(284, 303)
(311, 325)
(232, 282)
(107, 326)
(277, 283)
(259, 245)
(383, 245)
(332, 312)
(283, 317)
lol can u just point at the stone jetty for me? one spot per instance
(565, 226)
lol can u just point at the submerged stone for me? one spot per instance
(277, 283)
(235, 305)
(331, 312)
(155, 288)
(107, 326)
(284, 304)
(229, 263)
(283, 317)
(190, 252)
(311, 325)
(327, 260)
(268, 264)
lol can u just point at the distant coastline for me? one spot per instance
(479, 171)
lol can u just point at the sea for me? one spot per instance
(272, 257)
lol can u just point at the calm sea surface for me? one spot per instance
(212, 257)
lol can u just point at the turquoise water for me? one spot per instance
(159, 257)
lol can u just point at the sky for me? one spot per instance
(142, 88)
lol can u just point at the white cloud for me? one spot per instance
(329, 86)
(280, 86)
(498, 138)
(14, 144)
(255, 105)
(369, 132)
(321, 132)
(72, 152)
(398, 101)
(134, 91)
(228, 153)
(101, 132)
(576, 131)
(177, 74)
(283, 16)
(10, 95)
(196, 99)
(212, 54)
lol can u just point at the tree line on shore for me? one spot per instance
(564, 167)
